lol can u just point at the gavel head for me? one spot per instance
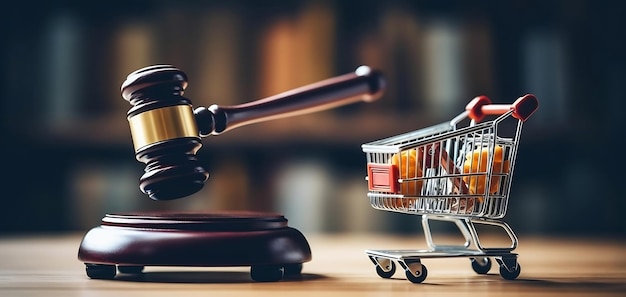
(164, 131)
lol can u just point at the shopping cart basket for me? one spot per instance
(459, 172)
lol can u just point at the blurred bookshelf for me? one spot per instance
(62, 71)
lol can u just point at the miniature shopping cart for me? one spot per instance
(458, 172)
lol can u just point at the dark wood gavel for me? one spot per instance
(166, 131)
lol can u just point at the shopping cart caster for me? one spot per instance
(98, 271)
(509, 268)
(385, 268)
(415, 271)
(481, 265)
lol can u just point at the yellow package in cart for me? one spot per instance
(476, 162)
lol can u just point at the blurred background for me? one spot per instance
(68, 157)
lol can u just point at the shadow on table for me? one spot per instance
(205, 277)
(577, 284)
(558, 284)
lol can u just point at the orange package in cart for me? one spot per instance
(476, 162)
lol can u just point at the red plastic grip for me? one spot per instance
(522, 108)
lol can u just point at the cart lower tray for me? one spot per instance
(127, 242)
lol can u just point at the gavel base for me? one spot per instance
(128, 242)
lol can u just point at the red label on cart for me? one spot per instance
(382, 177)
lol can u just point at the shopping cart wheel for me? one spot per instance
(481, 265)
(130, 269)
(391, 269)
(266, 273)
(416, 272)
(100, 271)
(510, 274)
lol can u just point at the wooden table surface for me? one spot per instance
(47, 265)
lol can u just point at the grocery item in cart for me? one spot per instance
(476, 162)
(409, 166)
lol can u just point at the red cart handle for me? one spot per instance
(522, 108)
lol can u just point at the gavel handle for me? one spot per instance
(364, 84)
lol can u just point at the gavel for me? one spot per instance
(167, 131)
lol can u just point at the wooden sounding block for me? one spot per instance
(130, 241)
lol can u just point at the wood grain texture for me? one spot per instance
(47, 265)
